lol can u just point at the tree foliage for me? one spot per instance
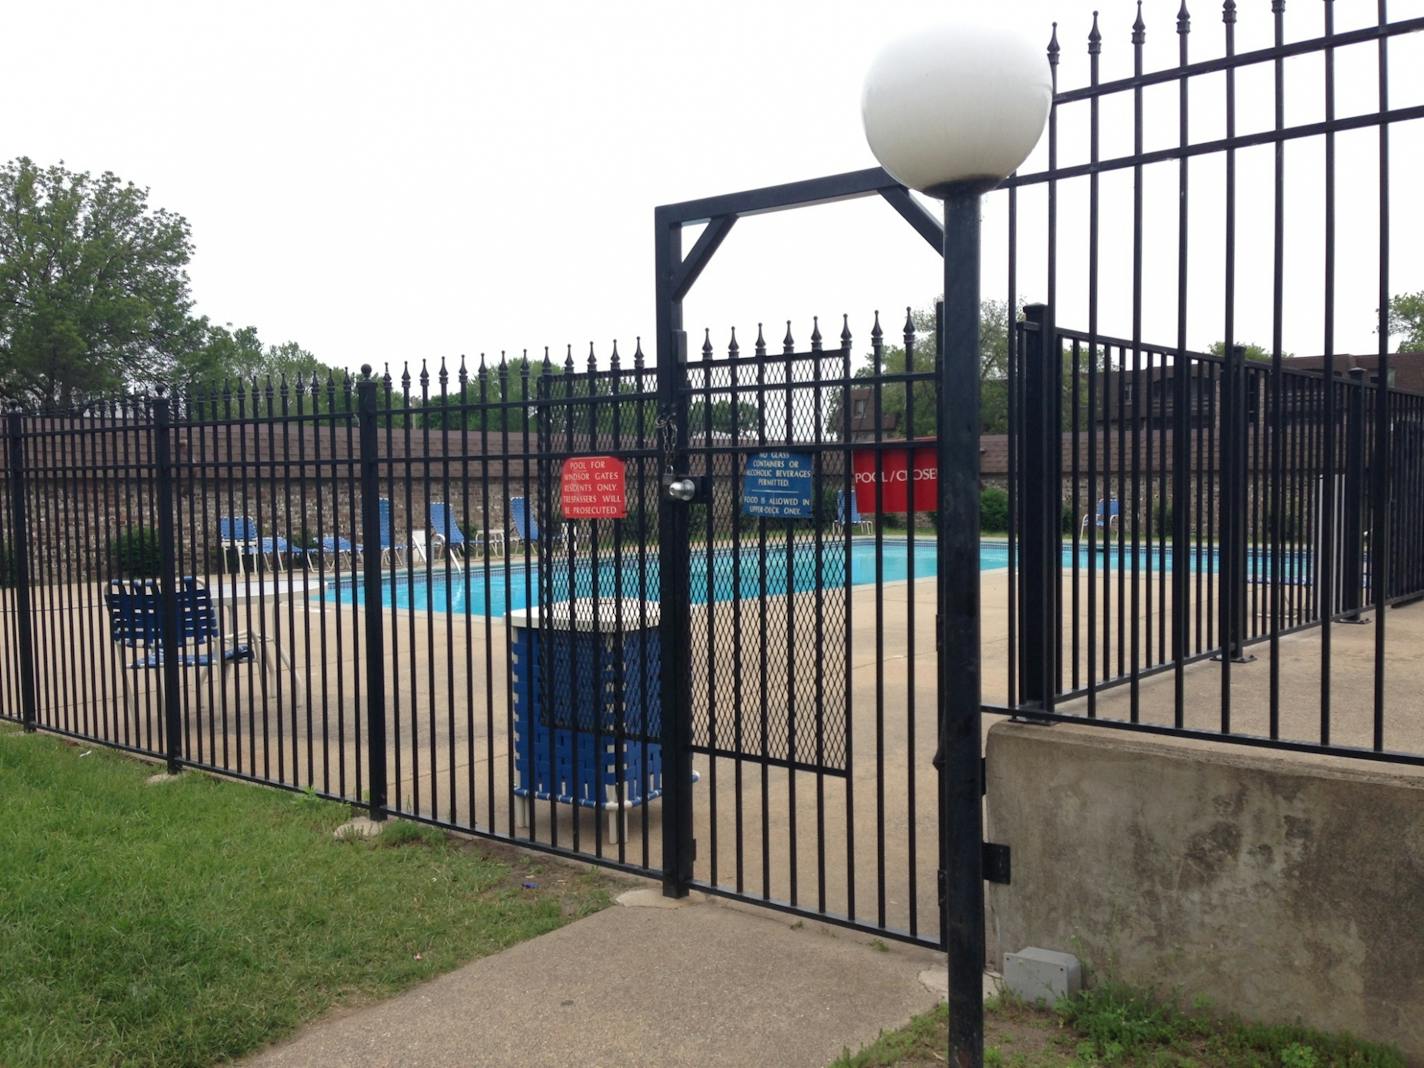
(1406, 321)
(910, 408)
(1254, 353)
(94, 299)
(719, 415)
(493, 398)
(93, 285)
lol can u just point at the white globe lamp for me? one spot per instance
(955, 106)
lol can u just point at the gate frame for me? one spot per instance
(958, 760)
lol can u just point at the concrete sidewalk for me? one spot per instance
(702, 984)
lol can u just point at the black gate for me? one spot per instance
(811, 686)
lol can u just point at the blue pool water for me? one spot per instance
(720, 576)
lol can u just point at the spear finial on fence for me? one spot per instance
(1139, 28)
(365, 370)
(443, 375)
(733, 349)
(815, 333)
(909, 334)
(845, 331)
(592, 360)
(706, 342)
(638, 352)
(876, 334)
(760, 347)
(613, 360)
(462, 376)
(1228, 11)
(1095, 37)
(1053, 47)
(1184, 19)
(787, 343)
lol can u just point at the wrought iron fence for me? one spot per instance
(373, 590)
(1171, 506)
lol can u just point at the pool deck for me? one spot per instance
(448, 728)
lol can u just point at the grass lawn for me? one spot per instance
(196, 920)
(1111, 1025)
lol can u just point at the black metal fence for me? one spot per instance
(373, 590)
(1171, 506)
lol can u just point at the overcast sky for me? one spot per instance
(389, 181)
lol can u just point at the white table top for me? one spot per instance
(267, 587)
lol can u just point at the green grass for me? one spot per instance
(196, 920)
(1115, 1025)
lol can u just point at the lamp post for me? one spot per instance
(951, 110)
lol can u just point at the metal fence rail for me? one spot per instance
(1145, 485)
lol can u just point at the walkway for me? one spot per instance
(701, 984)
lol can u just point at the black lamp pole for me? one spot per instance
(960, 768)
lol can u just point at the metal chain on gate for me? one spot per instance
(667, 437)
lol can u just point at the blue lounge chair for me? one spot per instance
(389, 547)
(331, 547)
(526, 528)
(447, 532)
(858, 522)
(1108, 516)
(240, 535)
(136, 622)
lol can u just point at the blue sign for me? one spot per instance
(778, 485)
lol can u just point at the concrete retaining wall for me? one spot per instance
(1284, 889)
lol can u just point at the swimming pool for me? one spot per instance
(723, 575)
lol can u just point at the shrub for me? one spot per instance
(994, 509)
(135, 552)
(1163, 519)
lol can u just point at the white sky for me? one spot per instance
(389, 181)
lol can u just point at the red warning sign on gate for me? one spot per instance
(594, 487)
(897, 472)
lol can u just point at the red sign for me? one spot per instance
(594, 487)
(899, 469)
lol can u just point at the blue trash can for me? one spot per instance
(587, 700)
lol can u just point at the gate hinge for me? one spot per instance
(996, 863)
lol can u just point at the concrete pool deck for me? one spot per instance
(449, 740)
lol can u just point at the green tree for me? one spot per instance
(227, 361)
(917, 400)
(1406, 321)
(93, 285)
(1254, 353)
(720, 414)
(492, 402)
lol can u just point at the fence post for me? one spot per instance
(1352, 574)
(1231, 568)
(167, 584)
(674, 571)
(1041, 513)
(371, 582)
(20, 563)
